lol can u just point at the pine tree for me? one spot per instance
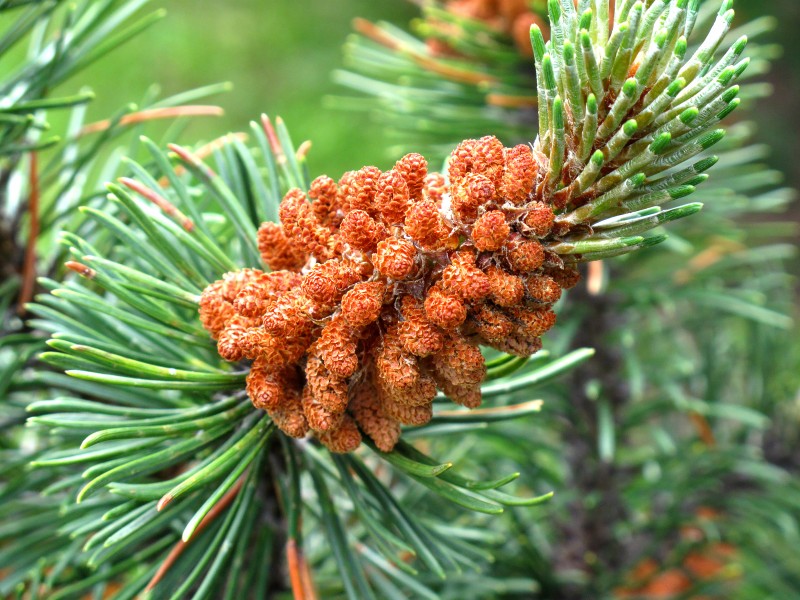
(183, 457)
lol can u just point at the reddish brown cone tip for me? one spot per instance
(383, 287)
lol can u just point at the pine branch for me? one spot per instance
(133, 326)
(158, 422)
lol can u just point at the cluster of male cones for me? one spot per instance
(382, 289)
(511, 17)
(384, 285)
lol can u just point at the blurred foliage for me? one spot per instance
(279, 55)
(779, 114)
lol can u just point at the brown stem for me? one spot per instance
(293, 563)
(299, 573)
(593, 546)
(162, 203)
(703, 428)
(178, 549)
(203, 152)
(153, 114)
(308, 581)
(29, 264)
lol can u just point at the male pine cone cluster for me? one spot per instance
(512, 17)
(383, 287)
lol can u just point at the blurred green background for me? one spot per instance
(279, 55)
